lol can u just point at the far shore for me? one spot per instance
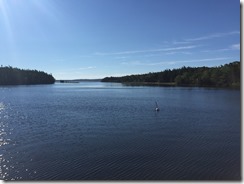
(173, 84)
(149, 84)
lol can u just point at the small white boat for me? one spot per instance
(157, 108)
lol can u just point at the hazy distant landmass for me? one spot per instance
(16, 76)
(78, 80)
(227, 75)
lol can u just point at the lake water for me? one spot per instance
(106, 131)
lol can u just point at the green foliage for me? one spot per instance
(15, 76)
(222, 76)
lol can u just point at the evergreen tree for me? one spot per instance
(15, 76)
(222, 76)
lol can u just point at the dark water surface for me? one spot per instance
(104, 131)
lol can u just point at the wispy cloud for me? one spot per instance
(85, 56)
(86, 68)
(180, 42)
(201, 60)
(172, 53)
(230, 48)
(235, 46)
(152, 55)
(134, 63)
(139, 63)
(121, 57)
(216, 35)
(147, 51)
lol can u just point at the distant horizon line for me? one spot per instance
(99, 79)
(78, 79)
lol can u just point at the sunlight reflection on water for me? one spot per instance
(1, 106)
(4, 141)
(53, 132)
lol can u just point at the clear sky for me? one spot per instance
(74, 39)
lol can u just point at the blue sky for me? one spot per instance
(75, 39)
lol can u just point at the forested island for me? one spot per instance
(227, 75)
(16, 76)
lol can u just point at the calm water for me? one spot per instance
(95, 130)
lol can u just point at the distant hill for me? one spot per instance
(78, 80)
(89, 80)
(16, 76)
(227, 75)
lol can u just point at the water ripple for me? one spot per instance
(78, 133)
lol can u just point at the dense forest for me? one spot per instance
(15, 76)
(227, 75)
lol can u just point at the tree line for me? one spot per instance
(227, 75)
(16, 76)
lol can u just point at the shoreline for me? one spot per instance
(173, 84)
